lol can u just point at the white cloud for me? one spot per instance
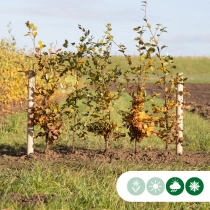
(175, 186)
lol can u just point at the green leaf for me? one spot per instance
(122, 51)
(147, 44)
(137, 28)
(185, 79)
(82, 38)
(164, 46)
(158, 83)
(66, 43)
(151, 49)
(141, 42)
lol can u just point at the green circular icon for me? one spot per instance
(136, 186)
(155, 186)
(175, 186)
(194, 186)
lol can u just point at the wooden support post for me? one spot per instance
(30, 128)
(179, 114)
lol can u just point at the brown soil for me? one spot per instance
(158, 157)
(85, 156)
(32, 200)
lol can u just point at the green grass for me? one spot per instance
(196, 69)
(78, 185)
(84, 184)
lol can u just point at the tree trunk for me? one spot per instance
(166, 146)
(135, 147)
(106, 144)
(74, 133)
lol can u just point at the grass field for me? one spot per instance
(196, 69)
(81, 184)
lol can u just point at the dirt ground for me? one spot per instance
(85, 156)
(158, 157)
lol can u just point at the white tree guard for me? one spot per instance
(30, 128)
(179, 114)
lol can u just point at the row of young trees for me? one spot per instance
(86, 75)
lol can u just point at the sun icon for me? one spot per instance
(155, 186)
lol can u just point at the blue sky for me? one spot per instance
(187, 22)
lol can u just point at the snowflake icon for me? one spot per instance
(194, 186)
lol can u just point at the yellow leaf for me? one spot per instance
(156, 41)
(148, 133)
(34, 34)
(31, 25)
(151, 62)
(41, 45)
(81, 62)
(142, 57)
(149, 25)
(110, 37)
(35, 28)
(145, 125)
(151, 68)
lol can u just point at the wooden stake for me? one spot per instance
(30, 128)
(179, 114)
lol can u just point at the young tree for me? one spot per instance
(102, 78)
